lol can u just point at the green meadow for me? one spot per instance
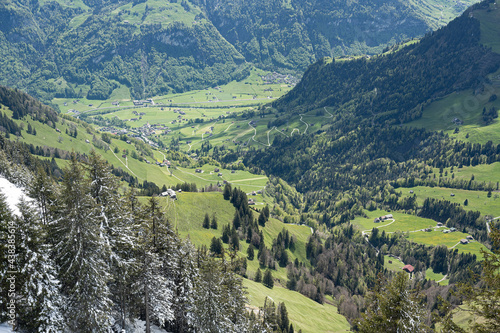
(306, 314)
(412, 226)
(467, 107)
(488, 173)
(477, 200)
(187, 213)
(490, 30)
(403, 222)
(395, 265)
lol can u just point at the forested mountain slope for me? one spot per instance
(362, 150)
(293, 33)
(395, 86)
(88, 48)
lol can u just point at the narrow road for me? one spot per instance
(307, 125)
(380, 226)
(126, 166)
(488, 225)
(444, 278)
(331, 115)
(255, 133)
(172, 174)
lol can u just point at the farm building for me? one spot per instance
(376, 220)
(469, 237)
(439, 224)
(446, 231)
(169, 193)
(464, 241)
(408, 268)
(198, 171)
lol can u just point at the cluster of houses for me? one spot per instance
(162, 164)
(148, 129)
(113, 130)
(143, 102)
(467, 240)
(447, 231)
(179, 111)
(277, 78)
(383, 218)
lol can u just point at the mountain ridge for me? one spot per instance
(66, 49)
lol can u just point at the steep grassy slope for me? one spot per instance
(187, 213)
(304, 313)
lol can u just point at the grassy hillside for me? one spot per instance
(187, 213)
(477, 200)
(413, 226)
(305, 314)
(468, 105)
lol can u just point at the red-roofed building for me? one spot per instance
(408, 268)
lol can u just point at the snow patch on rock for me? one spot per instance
(13, 195)
(5, 328)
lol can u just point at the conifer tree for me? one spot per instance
(283, 321)
(183, 273)
(216, 246)
(258, 275)
(219, 297)
(5, 220)
(41, 304)
(81, 252)
(44, 192)
(267, 280)
(155, 287)
(482, 298)
(213, 224)
(250, 252)
(394, 308)
(206, 221)
(227, 192)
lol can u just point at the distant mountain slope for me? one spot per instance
(81, 48)
(294, 33)
(396, 86)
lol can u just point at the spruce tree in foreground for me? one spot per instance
(81, 252)
(394, 308)
(483, 298)
(40, 303)
(5, 219)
